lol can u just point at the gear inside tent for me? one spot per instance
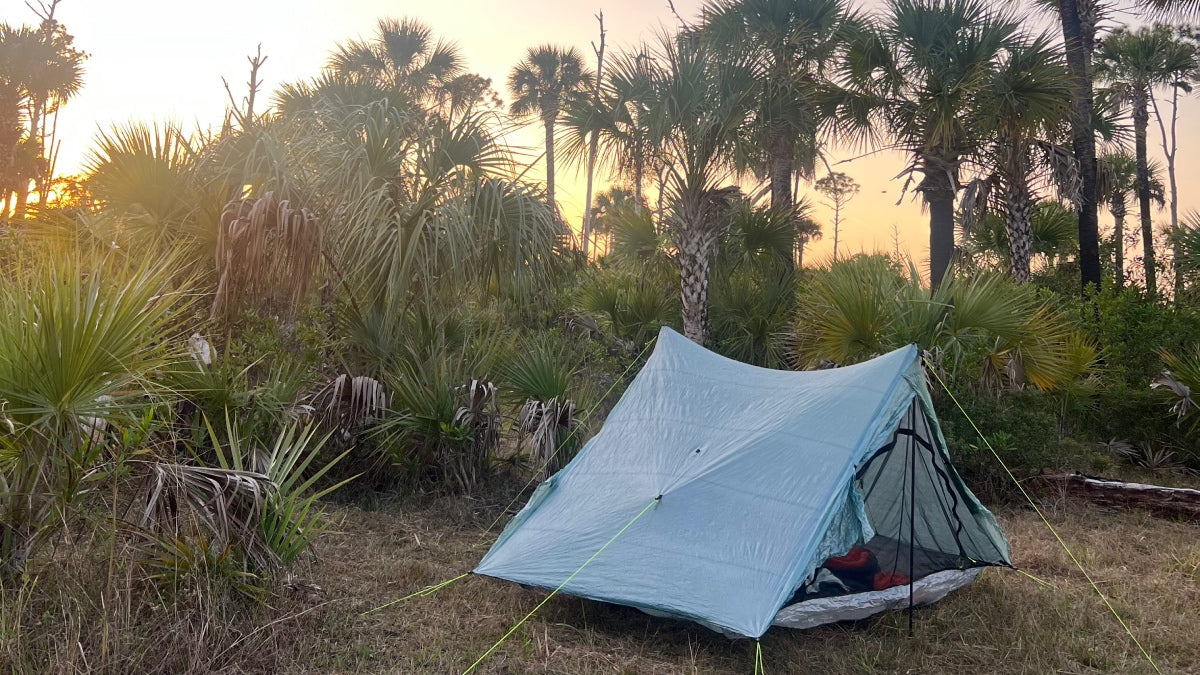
(740, 497)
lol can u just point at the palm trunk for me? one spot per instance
(549, 122)
(639, 177)
(939, 195)
(1019, 222)
(1141, 119)
(587, 207)
(782, 149)
(696, 249)
(1079, 37)
(693, 283)
(837, 226)
(700, 222)
(1117, 206)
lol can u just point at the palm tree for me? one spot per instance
(546, 80)
(702, 106)
(1079, 19)
(1133, 62)
(619, 120)
(402, 58)
(919, 81)
(39, 71)
(1117, 180)
(1026, 99)
(791, 45)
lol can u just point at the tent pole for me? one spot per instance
(912, 517)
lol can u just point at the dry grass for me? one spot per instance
(1006, 623)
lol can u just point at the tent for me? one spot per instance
(721, 492)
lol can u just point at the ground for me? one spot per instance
(1045, 618)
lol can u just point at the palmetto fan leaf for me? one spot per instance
(143, 169)
(865, 306)
(79, 348)
(543, 376)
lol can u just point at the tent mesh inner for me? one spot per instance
(922, 523)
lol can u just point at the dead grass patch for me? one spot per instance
(1006, 623)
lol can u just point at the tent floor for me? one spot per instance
(854, 606)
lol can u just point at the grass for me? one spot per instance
(1006, 623)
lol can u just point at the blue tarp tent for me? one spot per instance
(760, 476)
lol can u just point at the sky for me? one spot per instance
(154, 61)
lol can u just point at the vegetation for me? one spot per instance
(257, 381)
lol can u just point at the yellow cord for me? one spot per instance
(1053, 531)
(586, 415)
(759, 668)
(424, 592)
(561, 586)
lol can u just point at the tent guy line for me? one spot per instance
(929, 367)
(653, 502)
(637, 359)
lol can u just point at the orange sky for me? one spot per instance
(152, 60)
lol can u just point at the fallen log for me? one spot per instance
(1159, 500)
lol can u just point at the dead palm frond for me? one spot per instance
(266, 248)
(348, 402)
(225, 505)
(477, 424)
(548, 425)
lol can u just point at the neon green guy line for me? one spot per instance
(554, 454)
(424, 592)
(560, 586)
(1053, 531)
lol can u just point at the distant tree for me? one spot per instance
(1133, 62)
(1117, 180)
(838, 189)
(617, 121)
(1185, 63)
(546, 80)
(40, 70)
(792, 47)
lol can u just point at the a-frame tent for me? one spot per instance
(735, 484)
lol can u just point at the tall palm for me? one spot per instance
(40, 69)
(919, 82)
(1116, 181)
(1025, 100)
(702, 106)
(545, 81)
(791, 45)
(402, 57)
(619, 120)
(1133, 62)
(1079, 19)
